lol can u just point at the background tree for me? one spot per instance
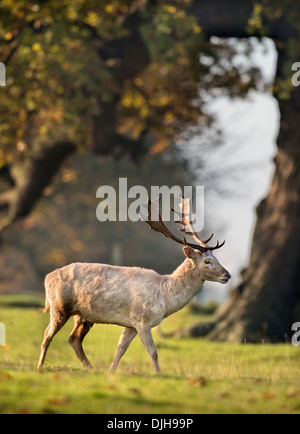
(266, 303)
(111, 77)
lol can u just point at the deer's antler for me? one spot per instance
(155, 221)
(187, 226)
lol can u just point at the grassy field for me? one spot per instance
(197, 376)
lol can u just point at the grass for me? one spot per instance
(197, 376)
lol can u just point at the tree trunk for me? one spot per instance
(267, 303)
(27, 179)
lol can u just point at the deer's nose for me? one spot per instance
(228, 275)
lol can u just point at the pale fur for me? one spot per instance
(135, 298)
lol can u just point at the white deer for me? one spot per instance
(135, 298)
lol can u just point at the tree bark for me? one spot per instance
(267, 302)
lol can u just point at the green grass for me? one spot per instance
(197, 376)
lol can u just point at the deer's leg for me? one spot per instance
(148, 342)
(81, 328)
(57, 321)
(126, 337)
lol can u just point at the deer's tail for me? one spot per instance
(47, 305)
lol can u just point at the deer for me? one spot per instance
(137, 299)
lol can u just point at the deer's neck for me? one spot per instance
(182, 286)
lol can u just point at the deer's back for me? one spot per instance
(105, 293)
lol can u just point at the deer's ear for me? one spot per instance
(189, 252)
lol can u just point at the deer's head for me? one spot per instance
(207, 265)
(200, 253)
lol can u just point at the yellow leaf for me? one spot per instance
(171, 9)
(197, 29)
(8, 36)
(93, 18)
(36, 46)
(110, 9)
(159, 146)
(163, 100)
(138, 81)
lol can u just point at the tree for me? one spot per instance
(110, 77)
(266, 303)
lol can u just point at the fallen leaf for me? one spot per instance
(134, 391)
(5, 375)
(225, 395)
(22, 410)
(110, 387)
(269, 395)
(293, 394)
(198, 382)
(60, 401)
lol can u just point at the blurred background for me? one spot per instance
(162, 93)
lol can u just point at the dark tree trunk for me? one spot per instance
(267, 302)
(265, 305)
(28, 178)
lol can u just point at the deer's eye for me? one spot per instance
(207, 262)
